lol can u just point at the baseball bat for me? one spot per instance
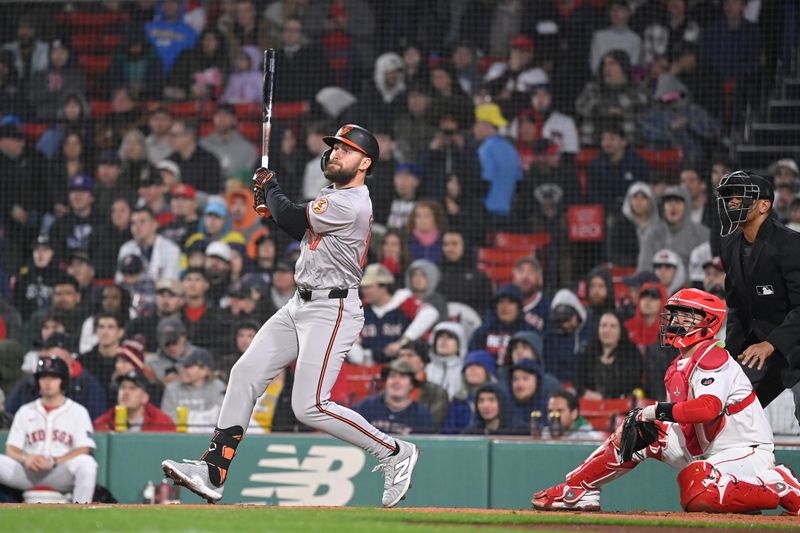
(266, 114)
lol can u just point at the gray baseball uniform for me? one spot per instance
(317, 327)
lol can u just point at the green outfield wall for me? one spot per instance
(317, 470)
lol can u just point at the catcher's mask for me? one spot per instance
(744, 187)
(679, 330)
(357, 137)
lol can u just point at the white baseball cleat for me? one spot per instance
(194, 476)
(397, 470)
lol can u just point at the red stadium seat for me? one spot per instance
(603, 414)
(250, 131)
(184, 109)
(529, 241)
(499, 275)
(664, 161)
(206, 128)
(360, 381)
(501, 256)
(94, 20)
(289, 110)
(99, 108)
(582, 160)
(94, 65)
(84, 42)
(248, 111)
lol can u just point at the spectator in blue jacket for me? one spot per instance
(393, 410)
(169, 34)
(499, 162)
(83, 387)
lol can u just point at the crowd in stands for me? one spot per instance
(546, 180)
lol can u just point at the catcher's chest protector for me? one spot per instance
(680, 371)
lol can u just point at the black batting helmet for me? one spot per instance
(53, 366)
(746, 187)
(357, 137)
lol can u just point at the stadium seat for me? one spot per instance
(603, 414)
(529, 241)
(501, 256)
(498, 275)
(92, 20)
(360, 381)
(94, 65)
(84, 42)
(248, 111)
(250, 131)
(99, 108)
(289, 110)
(665, 161)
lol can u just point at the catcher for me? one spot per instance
(713, 429)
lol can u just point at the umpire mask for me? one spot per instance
(737, 192)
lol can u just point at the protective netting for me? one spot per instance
(543, 164)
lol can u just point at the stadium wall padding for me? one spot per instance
(285, 469)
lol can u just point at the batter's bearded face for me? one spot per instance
(343, 164)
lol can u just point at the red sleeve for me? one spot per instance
(157, 420)
(701, 410)
(410, 306)
(104, 422)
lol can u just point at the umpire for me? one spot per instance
(762, 285)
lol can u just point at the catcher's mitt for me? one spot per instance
(636, 435)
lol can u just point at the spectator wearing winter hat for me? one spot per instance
(639, 212)
(610, 366)
(431, 395)
(243, 218)
(459, 270)
(500, 323)
(510, 82)
(216, 224)
(448, 348)
(677, 232)
(492, 412)
(406, 182)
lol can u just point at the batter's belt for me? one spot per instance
(308, 295)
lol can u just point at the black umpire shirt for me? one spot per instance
(762, 290)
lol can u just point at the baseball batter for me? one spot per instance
(713, 429)
(50, 441)
(317, 327)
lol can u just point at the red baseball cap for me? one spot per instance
(522, 42)
(184, 190)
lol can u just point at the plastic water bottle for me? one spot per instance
(149, 493)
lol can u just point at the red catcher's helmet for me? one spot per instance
(357, 137)
(709, 306)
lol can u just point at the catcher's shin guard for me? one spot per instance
(221, 451)
(703, 488)
(581, 491)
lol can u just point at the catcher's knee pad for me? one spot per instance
(703, 488)
(604, 465)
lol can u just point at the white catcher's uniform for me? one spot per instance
(52, 434)
(739, 442)
(317, 327)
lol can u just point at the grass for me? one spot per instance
(239, 519)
